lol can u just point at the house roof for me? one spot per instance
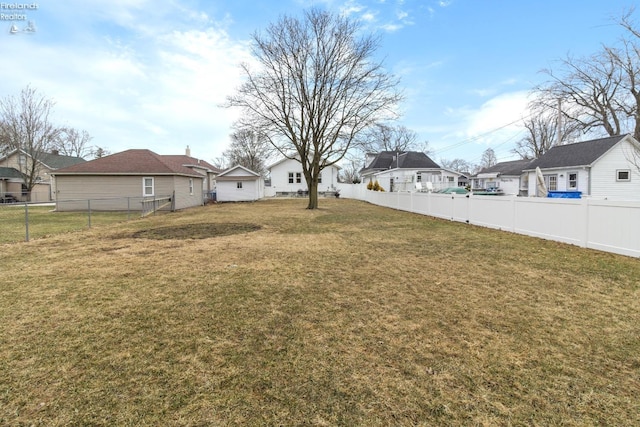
(130, 162)
(511, 168)
(577, 154)
(193, 162)
(405, 160)
(7, 173)
(57, 161)
(248, 173)
(51, 160)
(295, 158)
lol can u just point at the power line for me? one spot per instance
(477, 137)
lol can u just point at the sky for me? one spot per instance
(155, 74)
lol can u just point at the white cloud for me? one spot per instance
(160, 90)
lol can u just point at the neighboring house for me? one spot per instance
(406, 171)
(206, 169)
(17, 163)
(239, 184)
(599, 168)
(122, 181)
(287, 178)
(504, 177)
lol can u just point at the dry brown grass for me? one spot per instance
(349, 315)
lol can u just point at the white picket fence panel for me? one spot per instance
(606, 225)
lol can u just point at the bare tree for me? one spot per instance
(488, 159)
(600, 92)
(316, 89)
(26, 127)
(350, 172)
(384, 137)
(590, 90)
(249, 149)
(458, 165)
(544, 132)
(98, 152)
(73, 142)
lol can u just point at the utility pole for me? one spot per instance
(559, 129)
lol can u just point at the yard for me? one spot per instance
(269, 314)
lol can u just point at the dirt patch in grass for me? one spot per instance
(196, 231)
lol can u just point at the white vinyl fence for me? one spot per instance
(606, 225)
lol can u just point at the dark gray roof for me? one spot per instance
(511, 168)
(57, 161)
(578, 154)
(9, 173)
(405, 160)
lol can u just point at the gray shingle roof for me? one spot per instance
(578, 154)
(405, 160)
(512, 168)
(9, 173)
(57, 161)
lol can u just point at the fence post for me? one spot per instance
(89, 211)
(26, 221)
(128, 208)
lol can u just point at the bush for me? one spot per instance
(370, 185)
(376, 186)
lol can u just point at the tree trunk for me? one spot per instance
(313, 194)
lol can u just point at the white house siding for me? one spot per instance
(562, 180)
(280, 177)
(603, 175)
(405, 179)
(227, 186)
(228, 191)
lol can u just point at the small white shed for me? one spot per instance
(239, 184)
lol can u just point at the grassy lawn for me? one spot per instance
(269, 314)
(44, 221)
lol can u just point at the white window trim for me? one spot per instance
(144, 186)
(239, 185)
(191, 186)
(628, 171)
(569, 187)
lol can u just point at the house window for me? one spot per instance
(319, 178)
(419, 177)
(623, 175)
(191, 186)
(239, 185)
(22, 160)
(298, 177)
(290, 177)
(573, 180)
(551, 182)
(147, 187)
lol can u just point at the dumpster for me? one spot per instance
(565, 194)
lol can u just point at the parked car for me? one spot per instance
(8, 198)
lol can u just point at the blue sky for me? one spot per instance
(152, 74)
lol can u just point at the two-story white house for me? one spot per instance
(287, 178)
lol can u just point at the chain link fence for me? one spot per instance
(22, 221)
